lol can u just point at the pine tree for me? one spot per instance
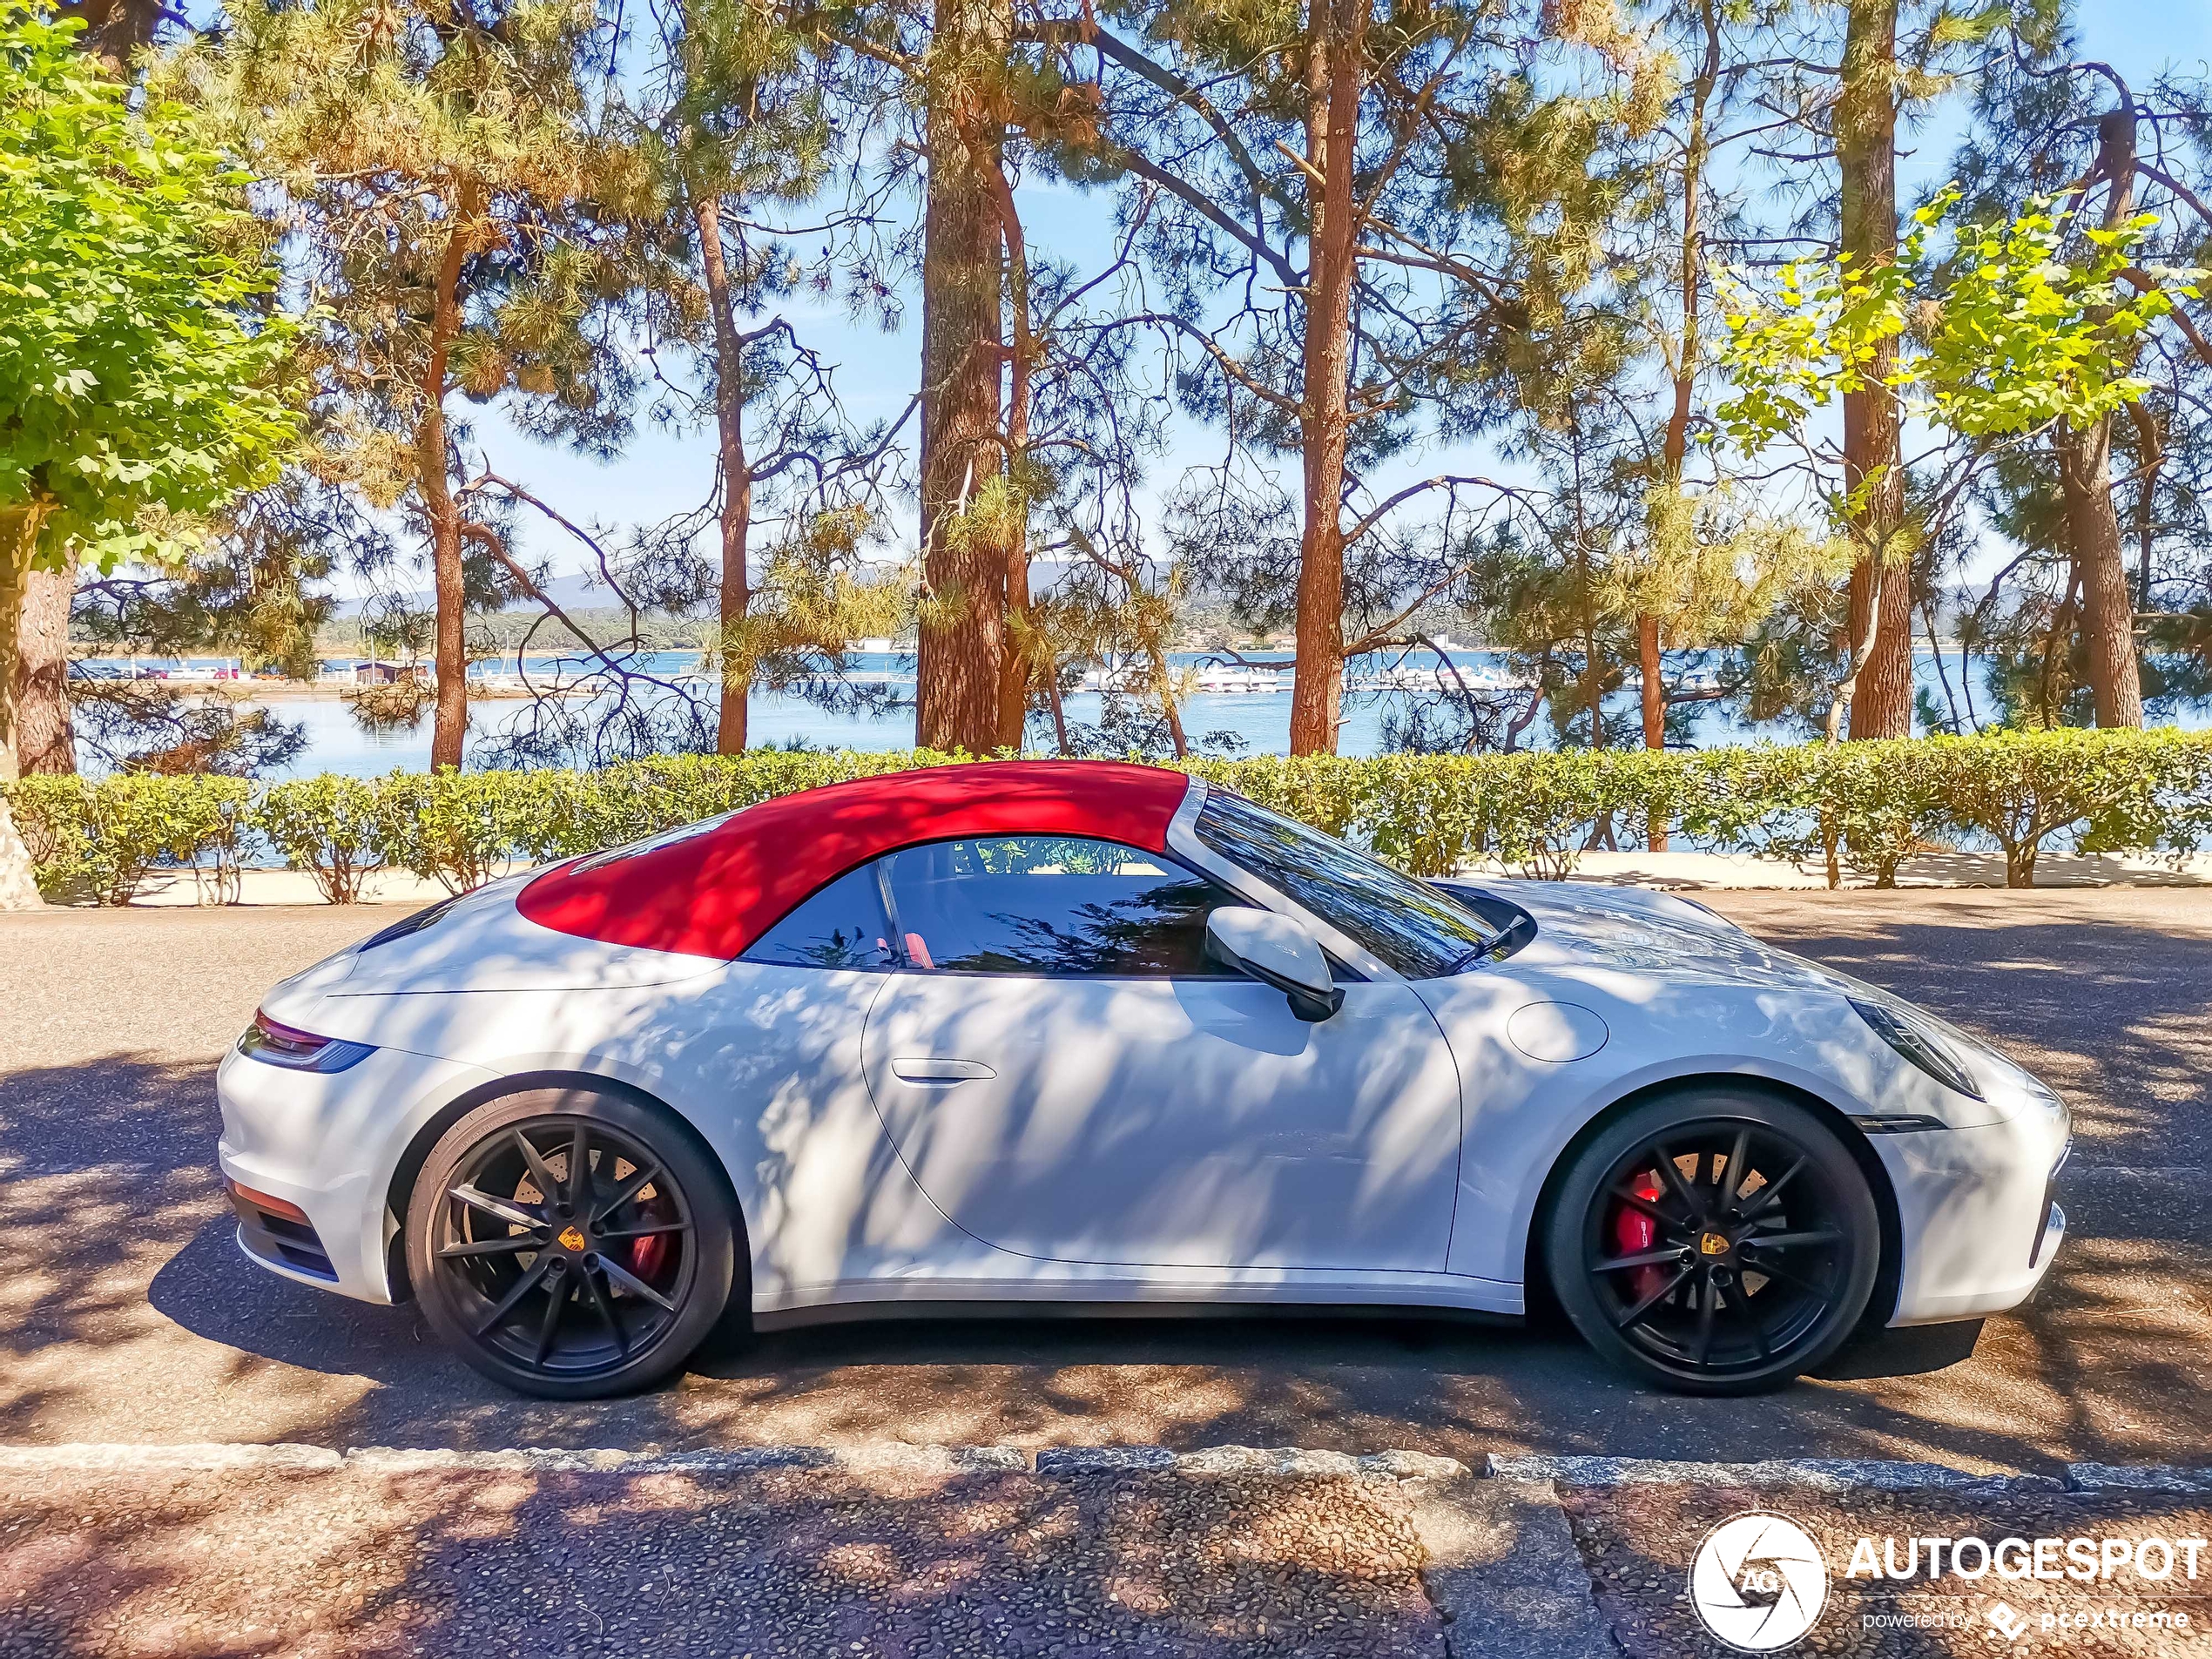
(738, 128)
(1366, 221)
(457, 202)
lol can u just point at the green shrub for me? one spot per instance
(48, 813)
(457, 827)
(102, 837)
(2021, 788)
(1863, 806)
(210, 820)
(333, 828)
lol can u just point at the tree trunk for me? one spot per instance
(1881, 698)
(45, 738)
(1019, 657)
(1691, 271)
(19, 528)
(2108, 612)
(2084, 479)
(19, 876)
(1861, 645)
(1690, 274)
(2153, 462)
(18, 535)
(1335, 71)
(1653, 698)
(116, 30)
(737, 477)
(963, 567)
(449, 730)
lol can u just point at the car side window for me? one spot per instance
(1054, 904)
(842, 926)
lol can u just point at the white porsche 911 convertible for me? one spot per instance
(1086, 1033)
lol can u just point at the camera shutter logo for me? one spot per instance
(1758, 1582)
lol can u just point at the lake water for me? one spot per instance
(337, 743)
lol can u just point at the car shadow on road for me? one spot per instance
(134, 1316)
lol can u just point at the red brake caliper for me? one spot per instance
(647, 1256)
(1635, 1232)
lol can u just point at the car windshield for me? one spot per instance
(1417, 930)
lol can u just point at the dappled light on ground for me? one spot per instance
(888, 1564)
(131, 1315)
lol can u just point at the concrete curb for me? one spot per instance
(1847, 1474)
(1504, 1572)
(2157, 1477)
(1243, 1459)
(875, 1456)
(1824, 1474)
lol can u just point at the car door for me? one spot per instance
(1067, 1076)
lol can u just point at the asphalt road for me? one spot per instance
(126, 1314)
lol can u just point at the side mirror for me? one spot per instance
(1277, 951)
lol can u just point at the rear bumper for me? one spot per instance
(1980, 1226)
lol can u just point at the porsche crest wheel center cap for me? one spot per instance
(570, 1238)
(1710, 1244)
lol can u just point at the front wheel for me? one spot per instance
(569, 1244)
(1718, 1242)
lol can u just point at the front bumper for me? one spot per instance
(326, 1146)
(1979, 1223)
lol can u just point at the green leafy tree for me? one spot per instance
(1998, 342)
(137, 342)
(2075, 632)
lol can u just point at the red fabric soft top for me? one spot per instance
(712, 894)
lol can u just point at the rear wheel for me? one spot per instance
(571, 1245)
(1719, 1242)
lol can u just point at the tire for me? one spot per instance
(1699, 1285)
(561, 1294)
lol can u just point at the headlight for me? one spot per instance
(276, 1044)
(1918, 1042)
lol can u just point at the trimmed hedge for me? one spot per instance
(1863, 806)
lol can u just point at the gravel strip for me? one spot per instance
(383, 1555)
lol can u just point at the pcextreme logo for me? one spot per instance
(1758, 1582)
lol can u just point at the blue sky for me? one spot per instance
(664, 472)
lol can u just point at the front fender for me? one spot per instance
(1522, 1113)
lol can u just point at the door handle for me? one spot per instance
(931, 1068)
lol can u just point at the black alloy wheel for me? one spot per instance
(570, 1244)
(1719, 1242)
